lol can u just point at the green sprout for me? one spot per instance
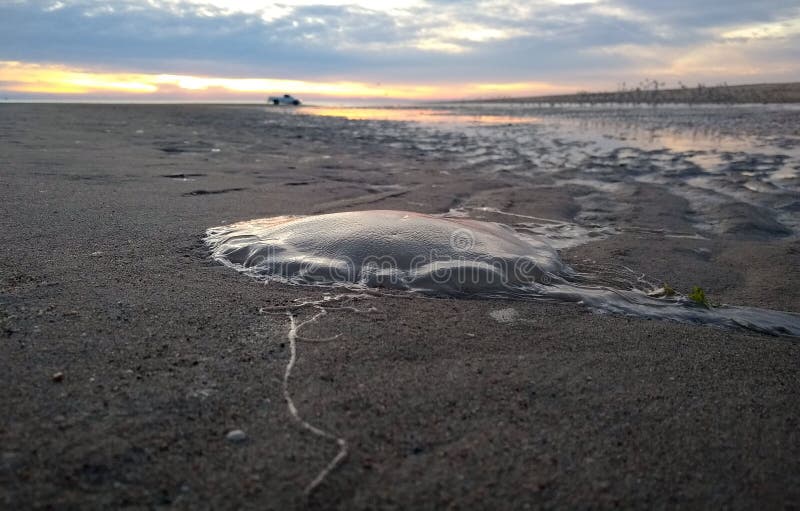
(665, 291)
(698, 296)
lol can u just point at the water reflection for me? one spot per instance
(670, 128)
(417, 115)
(623, 132)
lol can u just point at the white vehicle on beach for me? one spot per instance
(286, 99)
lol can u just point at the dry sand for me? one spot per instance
(445, 403)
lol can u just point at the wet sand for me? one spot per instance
(444, 403)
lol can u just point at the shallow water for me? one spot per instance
(433, 116)
(737, 166)
(448, 256)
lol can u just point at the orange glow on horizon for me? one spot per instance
(61, 80)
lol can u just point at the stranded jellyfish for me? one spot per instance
(446, 257)
(390, 249)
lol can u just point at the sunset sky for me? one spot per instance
(385, 50)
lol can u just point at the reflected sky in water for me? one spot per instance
(436, 116)
(608, 128)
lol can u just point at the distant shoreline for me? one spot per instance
(648, 94)
(643, 94)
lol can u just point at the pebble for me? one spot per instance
(509, 315)
(58, 377)
(236, 436)
(602, 486)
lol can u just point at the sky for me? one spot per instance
(390, 50)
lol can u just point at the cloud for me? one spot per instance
(683, 15)
(19, 77)
(583, 43)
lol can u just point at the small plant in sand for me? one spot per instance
(698, 296)
(665, 291)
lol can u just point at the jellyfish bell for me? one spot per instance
(391, 249)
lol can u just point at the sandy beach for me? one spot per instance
(127, 355)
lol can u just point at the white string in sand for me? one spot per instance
(293, 338)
